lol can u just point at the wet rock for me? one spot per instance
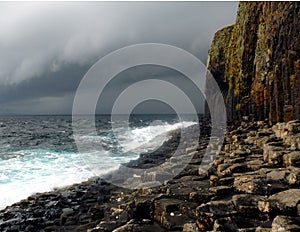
(200, 196)
(235, 223)
(182, 188)
(134, 227)
(66, 213)
(105, 226)
(97, 212)
(144, 207)
(189, 209)
(120, 215)
(146, 185)
(190, 170)
(164, 207)
(48, 228)
(174, 221)
(225, 224)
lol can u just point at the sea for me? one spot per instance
(39, 153)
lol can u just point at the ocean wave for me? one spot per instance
(28, 171)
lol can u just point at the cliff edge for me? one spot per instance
(256, 62)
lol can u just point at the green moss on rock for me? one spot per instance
(256, 61)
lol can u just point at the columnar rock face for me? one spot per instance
(256, 62)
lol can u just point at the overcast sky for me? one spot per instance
(46, 48)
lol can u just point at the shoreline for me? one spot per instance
(97, 184)
(253, 185)
(64, 184)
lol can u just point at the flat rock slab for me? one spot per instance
(292, 159)
(209, 212)
(284, 202)
(165, 206)
(175, 221)
(254, 184)
(285, 223)
(247, 204)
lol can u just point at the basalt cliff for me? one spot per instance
(256, 62)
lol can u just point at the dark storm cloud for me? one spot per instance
(47, 47)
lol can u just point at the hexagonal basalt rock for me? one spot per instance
(207, 213)
(283, 202)
(283, 223)
(292, 159)
(254, 184)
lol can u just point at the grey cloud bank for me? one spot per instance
(46, 48)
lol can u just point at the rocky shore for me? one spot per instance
(253, 185)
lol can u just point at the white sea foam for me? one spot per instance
(38, 171)
(149, 138)
(41, 170)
